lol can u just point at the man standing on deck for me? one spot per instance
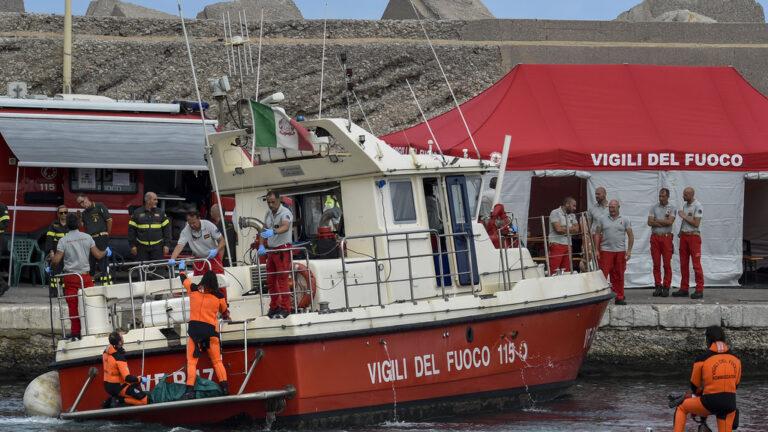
(486, 202)
(98, 224)
(4, 219)
(75, 249)
(690, 245)
(278, 229)
(562, 225)
(614, 235)
(660, 219)
(205, 240)
(149, 231)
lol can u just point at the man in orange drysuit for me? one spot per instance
(118, 381)
(278, 233)
(716, 375)
(206, 301)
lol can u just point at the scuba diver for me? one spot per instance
(122, 387)
(716, 375)
(206, 301)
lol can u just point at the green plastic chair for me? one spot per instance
(24, 250)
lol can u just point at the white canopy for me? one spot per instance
(119, 142)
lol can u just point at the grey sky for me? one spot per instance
(372, 9)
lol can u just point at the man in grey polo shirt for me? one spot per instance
(614, 235)
(562, 225)
(690, 244)
(205, 240)
(600, 208)
(660, 219)
(278, 234)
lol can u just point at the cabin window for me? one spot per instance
(474, 187)
(403, 207)
(458, 204)
(102, 180)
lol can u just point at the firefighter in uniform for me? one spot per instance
(715, 376)
(278, 230)
(149, 231)
(98, 224)
(56, 231)
(206, 302)
(660, 219)
(121, 386)
(4, 218)
(690, 245)
(614, 235)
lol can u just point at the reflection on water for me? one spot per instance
(593, 405)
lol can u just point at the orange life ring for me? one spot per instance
(303, 277)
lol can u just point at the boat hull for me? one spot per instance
(492, 359)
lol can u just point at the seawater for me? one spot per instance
(592, 405)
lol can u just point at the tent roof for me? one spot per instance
(639, 117)
(100, 141)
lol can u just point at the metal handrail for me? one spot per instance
(588, 251)
(406, 236)
(79, 294)
(292, 272)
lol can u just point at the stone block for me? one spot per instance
(16, 6)
(633, 316)
(755, 316)
(606, 319)
(464, 10)
(732, 316)
(274, 10)
(676, 316)
(719, 10)
(707, 315)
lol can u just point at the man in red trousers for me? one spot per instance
(614, 235)
(660, 219)
(690, 245)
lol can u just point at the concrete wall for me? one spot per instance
(124, 57)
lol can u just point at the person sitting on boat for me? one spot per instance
(716, 375)
(278, 229)
(206, 302)
(122, 387)
(205, 240)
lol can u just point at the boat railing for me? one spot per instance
(579, 248)
(378, 260)
(294, 291)
(146, 269)
(80, 296)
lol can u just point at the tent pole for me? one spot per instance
(502, 170)
(205, 134)
(13, 225)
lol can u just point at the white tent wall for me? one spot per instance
(722, 196)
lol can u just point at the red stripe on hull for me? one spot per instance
(366, 371)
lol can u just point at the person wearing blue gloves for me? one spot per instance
(278, 234)
(75, 249)
(205, 240)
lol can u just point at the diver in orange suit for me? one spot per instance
(118, 381)
(715, 377)
(206, 301)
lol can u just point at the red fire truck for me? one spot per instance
(53, 149)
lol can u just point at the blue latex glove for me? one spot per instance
(262, 250)
(212, 253)
(513, 228)
(267, 233)
(171, 262)
(144, 380)
(182, 265)
(108, 251)
(48, 270)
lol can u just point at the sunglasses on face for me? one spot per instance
(62, 212)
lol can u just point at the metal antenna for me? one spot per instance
(348, 88)
(258, 76)
(431, 133)
(248, 38)
(445, 77)
(226, 37)
(359, 105)
(322, 61)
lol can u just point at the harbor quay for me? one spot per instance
(648, 335)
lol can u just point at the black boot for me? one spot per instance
(189, 394)
(680, 293)
(224, 387)
(665, 292)
(657, 291)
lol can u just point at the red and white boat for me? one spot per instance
(377, 334)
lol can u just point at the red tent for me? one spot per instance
(610, 117)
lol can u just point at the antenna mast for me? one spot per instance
(348, 89)
(67, 61)
(445, 77)
(322, 61)
(431, 133)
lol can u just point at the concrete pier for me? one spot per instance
(649, 335)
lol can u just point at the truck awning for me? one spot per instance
(98, 141)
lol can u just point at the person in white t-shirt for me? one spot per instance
(205, 240)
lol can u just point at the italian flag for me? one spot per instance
(273, 128)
